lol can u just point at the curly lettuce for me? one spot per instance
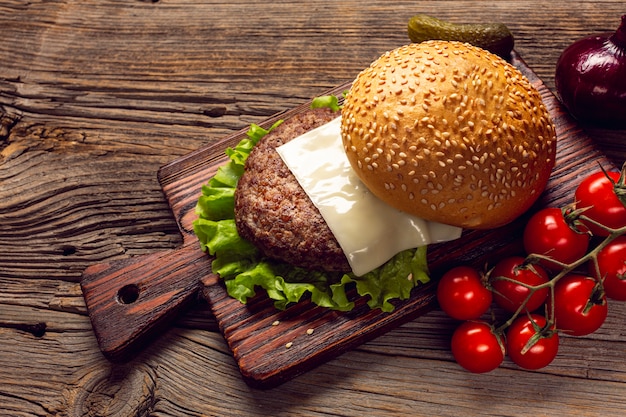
(244, 269)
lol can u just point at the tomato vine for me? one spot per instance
(556, 287)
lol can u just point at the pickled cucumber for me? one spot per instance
(494, 37)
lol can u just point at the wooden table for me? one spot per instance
(95, 96)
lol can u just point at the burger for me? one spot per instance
(440, 134)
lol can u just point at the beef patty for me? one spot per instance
(273, 212)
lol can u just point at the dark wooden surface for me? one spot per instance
(96, 96)
(131, 299)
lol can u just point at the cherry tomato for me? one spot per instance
(462, 295)
(548, 233)
(612, 268)
(511, 295)
(579, 309)
(476, 347)
(596, 192)
(544, 349)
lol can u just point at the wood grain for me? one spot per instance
(132, 299)
(96, 96)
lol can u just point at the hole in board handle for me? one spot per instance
(128, 294)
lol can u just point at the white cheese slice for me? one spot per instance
(369, 231)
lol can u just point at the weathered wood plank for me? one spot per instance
(95, 96)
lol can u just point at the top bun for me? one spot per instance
(450, 133)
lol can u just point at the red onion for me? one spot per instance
(590, 79)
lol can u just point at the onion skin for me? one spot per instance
(590, 79)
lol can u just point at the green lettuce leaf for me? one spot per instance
(244, 269)
(394, 279)
(332, 102)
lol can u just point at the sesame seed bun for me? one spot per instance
(449, 132)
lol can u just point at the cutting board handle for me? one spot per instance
(129, 300)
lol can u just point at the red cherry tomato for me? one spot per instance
(597, 192)
(578, 307)
(462, 295)
(544, 349)
(612, 268)
(548, 233)
(511, 295)
(476, 347)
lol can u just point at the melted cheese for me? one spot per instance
(369, 231)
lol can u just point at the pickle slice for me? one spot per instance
(494, 37)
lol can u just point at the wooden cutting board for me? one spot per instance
(131, 300)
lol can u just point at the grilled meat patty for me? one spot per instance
(273, 212)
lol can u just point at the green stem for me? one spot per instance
(592, 256)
